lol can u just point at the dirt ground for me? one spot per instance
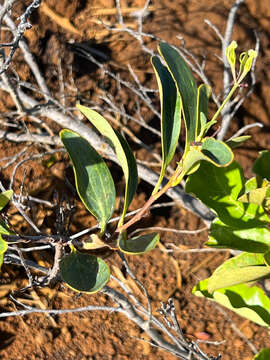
(111, 336)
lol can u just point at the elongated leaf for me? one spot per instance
(249, 302)
(243, 260)
(261, 166)
(254, 240)
(84, 273)
(219, 188)
(237, 141)
(243, 268)
(122, 151)
(5, 198)
(237, 276)
(3, 249)
(264, 354)
(94, 182)
(139, 244)
(170, 114)
(186, 87)
(203, 95)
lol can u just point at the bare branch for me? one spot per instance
(226, 111)
(18, 34)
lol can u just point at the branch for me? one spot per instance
(226, 111)
(186, 201)
(18, 34)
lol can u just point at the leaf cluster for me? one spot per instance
(242, 207)
(180, 99)
(242, 223)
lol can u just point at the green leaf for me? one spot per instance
(139, 244)
(217, 151)
(264, 354)
(243, 268)
(94, 182)
(122, 151)
(249, 302)
(219, 189)
(261, 166)
(5, 198)
(211, 150)
(4, 228)
(246, 61)
(258, 196)
(170, 115)
(255, 183)
(3, 249)
(254, 240)
(186, 86)
(84, 273)
(232, 277)
(237, 141)
(231, 57)
(267, 257)
(203, 95)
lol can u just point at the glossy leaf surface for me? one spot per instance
(249, 302)
(94, 182)
(243, 268)
(254, 240)
(139, 244)
(219, 188)
(84, 273)
(170, 114)
(122, 151)
(186, 87)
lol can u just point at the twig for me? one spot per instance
(159, 228)
(20, 29)
(10, 258)
(28, 56)
(245, 128)
(226, 112)
(131, 274)
(235, 329)
(6, 7)
(186, 200)
(59, 312)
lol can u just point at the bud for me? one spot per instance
(231, 57)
